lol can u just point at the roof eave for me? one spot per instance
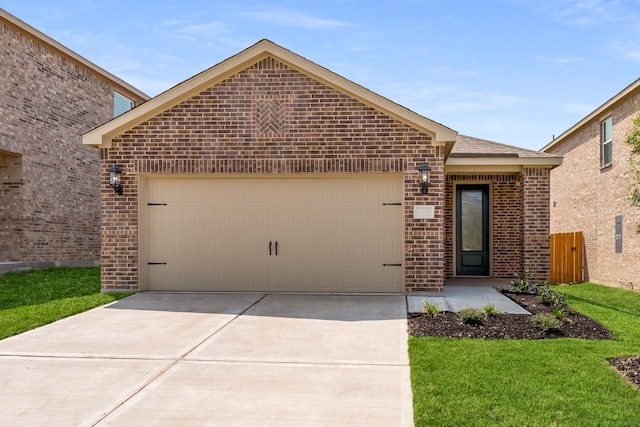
(120, 85)
(594, 114)
(499, 164)
(101, 136)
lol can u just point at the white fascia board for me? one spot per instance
(504, 161)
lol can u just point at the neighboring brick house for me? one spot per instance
(589, 191)
(49, 181)
(268, 172)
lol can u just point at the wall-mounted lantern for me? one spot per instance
(115, 175)
(425, 178)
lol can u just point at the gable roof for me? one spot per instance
(481, 155)
(119, 85)
(102, 135)
(597, 113)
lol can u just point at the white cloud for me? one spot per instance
(295, 19)
(577, 109)
(561, 59)
(207, 28)
(445, 99)
(591, 12)
(627, 49)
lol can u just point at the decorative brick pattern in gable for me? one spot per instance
(270, 116)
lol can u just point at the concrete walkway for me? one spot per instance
(238, 359)
(457, 297)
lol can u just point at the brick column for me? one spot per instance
(424, 238)
(534, 194)
(119, 228)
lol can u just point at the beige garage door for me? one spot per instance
(266, 234)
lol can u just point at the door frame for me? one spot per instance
(454, 228)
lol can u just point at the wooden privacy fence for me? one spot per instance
(566, 258)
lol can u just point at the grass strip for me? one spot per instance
(475, 382)
(35, 298)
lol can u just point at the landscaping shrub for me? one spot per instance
(431, 310)
(471, 316)
(559, 312)
(551, 297)
(490, 310)
(521, 283)
(546, 322)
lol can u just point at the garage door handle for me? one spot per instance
(269, 247)
(276, 248)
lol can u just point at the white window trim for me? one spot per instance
(604, 142)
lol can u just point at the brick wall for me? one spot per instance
(47, 103)
(272, 119)
(588, 197)
(534, 193)
(11, 220)
(506, 221)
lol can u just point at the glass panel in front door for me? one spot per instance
(472, 238)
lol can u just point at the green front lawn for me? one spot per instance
(35, 298)
(556, 382)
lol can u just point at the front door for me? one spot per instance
(472, 230)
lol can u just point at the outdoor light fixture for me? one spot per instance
(115, 174)
(425, 178)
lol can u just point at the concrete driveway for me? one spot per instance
(184, 359)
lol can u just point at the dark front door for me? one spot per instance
(472, 230)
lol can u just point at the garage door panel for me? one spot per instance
(333, 235)
(375, 279)
(198, 277)
(174, 248)
(311, 249)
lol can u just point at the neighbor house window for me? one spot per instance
(606, 138)
(121, 104)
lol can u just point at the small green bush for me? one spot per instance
(471, 316)
(559, 312)
(551, 297)
(521, 283)
(546, 322)
(490, 310)
(429, 309)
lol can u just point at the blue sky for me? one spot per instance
(512, 71)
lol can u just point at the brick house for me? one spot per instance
(589, 190)
(268, 172)
(49, 196)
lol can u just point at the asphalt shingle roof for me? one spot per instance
(468, 146)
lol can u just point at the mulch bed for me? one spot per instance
(512, 326)
(519, 326)
(629, 367)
